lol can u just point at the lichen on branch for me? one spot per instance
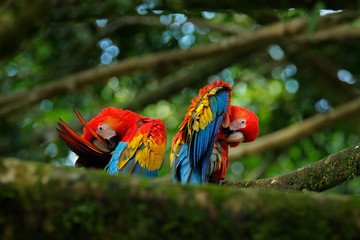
(319, 176)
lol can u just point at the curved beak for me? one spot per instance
(236, 137)
(112, 142)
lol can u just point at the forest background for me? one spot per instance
(295, 65)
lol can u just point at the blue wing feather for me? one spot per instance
(187, 172)
(112, 167)
(206, 161)
(202, 141)
(192, 163)
(139, 170)
(129, 166)
(185, 166)
(214, 104)
(223, 102)
(195, 176)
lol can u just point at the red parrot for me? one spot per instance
(118, 141)
(199, 151)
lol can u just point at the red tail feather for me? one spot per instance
(79, 145)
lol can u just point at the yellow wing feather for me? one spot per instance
(147, 151)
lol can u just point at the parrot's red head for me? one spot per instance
(241, 125)
(108, 124)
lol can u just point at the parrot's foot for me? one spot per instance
(222, 181)
(219, 181)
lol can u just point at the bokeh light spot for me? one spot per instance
(166, 37)
(113, 50)
(324, 12)
(51, 150)
(46, 105)
(188, 28)
(12, 70)
(158, 11)
(142, 9)
(346, 76)
(186, 41)
(104, 43)
(166, 19)
(101, 22)
(180, 18)
(292, 86)
(106, 58)
(208, 15)
(322, 105)
(237, 168)
(290, 70)
(276, 52)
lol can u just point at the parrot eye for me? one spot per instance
(243, 122)
(100, 128)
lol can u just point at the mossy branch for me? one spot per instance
(320, 176)
(55, 202)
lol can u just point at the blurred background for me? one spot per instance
(283, 71)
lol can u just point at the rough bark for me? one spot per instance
(40, 201)
(294, 30)
(287, 136)
(319, 176)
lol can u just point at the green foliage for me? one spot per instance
(276, 83)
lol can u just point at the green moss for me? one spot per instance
(66, 203)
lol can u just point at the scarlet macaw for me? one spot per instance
(119, 141)
(199, 151)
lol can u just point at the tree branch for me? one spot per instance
(252, 41)
(57, 202)
(320, 176)
(338, 33)
(174, 83)
(287, 136)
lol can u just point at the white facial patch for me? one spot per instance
(106, 131)
(237, 124)
(235, 137)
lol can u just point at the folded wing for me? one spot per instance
(193, 145)
(143, 153)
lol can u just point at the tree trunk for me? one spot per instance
(41, 201)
